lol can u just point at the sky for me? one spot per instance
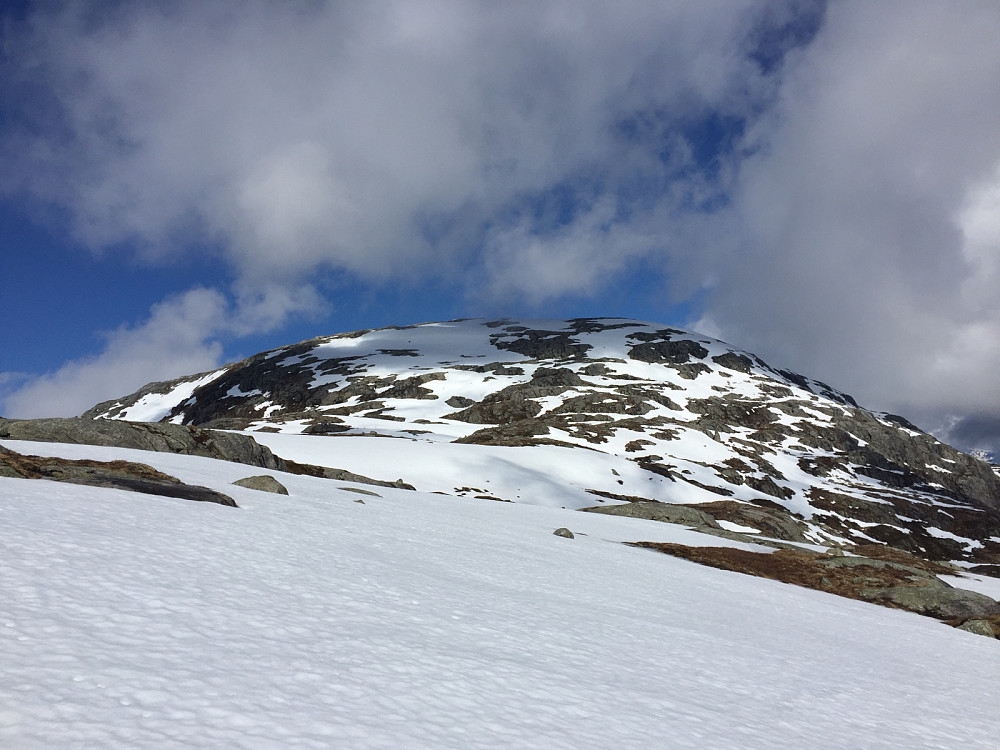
(188, 183)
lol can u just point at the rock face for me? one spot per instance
(688, 420)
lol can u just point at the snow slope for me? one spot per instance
(417, 620)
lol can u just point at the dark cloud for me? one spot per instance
(978, 433)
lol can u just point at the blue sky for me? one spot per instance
(187, 183)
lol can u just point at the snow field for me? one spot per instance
(421, 621)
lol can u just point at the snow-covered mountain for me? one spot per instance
(614, 412)
(366, 591)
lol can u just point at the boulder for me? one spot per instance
(264, 483)
(979, 627)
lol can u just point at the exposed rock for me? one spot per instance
(672, 352)
(170, 438)
(327, 426)
(979, 627)
(264, 483)
(342, 475)
(665, 512)
(509, 405)
(120, 475)
(940, 601)
(164, 438)
(359, 491)
(883, 582)
(734, 361)
(778, 524)
(564, 532)
(539, 344)
(557, 377)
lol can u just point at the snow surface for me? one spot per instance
(421, 621)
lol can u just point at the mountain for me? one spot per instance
(348, 576)
(621, 416)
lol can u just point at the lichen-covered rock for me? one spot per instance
(171, 438)
(264, 483)
(664, 512)
(120, 475)
(164, 438)
(979, 627)
(940, 601)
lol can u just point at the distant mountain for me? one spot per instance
(668, 416)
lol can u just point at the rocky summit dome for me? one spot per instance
(633, 417)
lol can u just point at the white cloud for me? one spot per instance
(364, 137)
(178, 338)
(868, 215)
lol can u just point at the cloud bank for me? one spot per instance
(180, 337)
(825, 178)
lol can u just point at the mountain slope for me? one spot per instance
(421, 621)
(614, 411)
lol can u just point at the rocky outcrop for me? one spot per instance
(120, 475)
(171, 438)
(164, 438)
(262, 483)
(664, 512)
(913, 586)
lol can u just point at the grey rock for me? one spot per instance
(979, 627)
(359, 491)
(734, 361)
(668, 351)
(564, 532)
(539, 344)
(940, 601)
(120, 475)
(264, 483)
(664, 512)
(172, 438)
(164, 438)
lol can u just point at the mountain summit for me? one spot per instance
(634, 416)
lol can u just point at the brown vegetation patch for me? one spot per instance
(800, 567)
(38, 467)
